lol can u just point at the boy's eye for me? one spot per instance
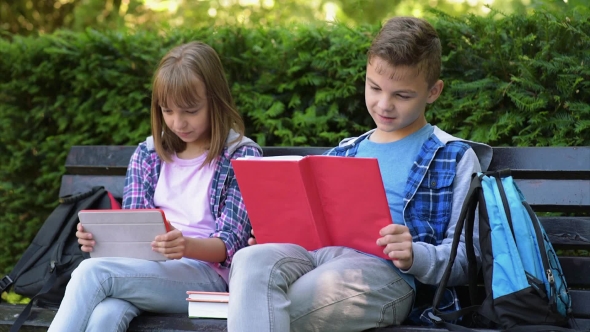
(404, 96)
(376, 88)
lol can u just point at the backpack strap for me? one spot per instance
(467, 214)
(22, 317)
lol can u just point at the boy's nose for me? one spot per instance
(384, 104)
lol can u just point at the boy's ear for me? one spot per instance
(435, 91)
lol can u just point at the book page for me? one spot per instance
(207, 310)
(276, 200)
(354, 201)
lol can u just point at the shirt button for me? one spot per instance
(433, 183)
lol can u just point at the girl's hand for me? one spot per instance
(84, 239)
(252, 239)
(398, 245)
(172, 244)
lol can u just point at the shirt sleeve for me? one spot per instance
(133, 192)
(430, 261)
(233, 225)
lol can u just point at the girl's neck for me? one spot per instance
(194, 149)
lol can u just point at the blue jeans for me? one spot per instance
(283, 287)
(105, 294)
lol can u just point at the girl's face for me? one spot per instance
(191, 124)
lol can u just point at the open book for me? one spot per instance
(315, 201)
(207, 304)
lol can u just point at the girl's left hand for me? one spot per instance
(171, 244)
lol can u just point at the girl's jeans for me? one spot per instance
(105, 294)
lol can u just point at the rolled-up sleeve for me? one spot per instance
(233, 225)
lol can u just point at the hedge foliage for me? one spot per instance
(517, 80)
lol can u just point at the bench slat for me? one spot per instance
(574, 195)
(577, 271)
(580, 303)
(71, 184)
(527, 163)
(568, 231)
(541, 159)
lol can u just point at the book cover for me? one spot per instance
(125, 233)
(207, 304)
(315, 201)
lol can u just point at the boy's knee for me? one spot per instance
(252, 255)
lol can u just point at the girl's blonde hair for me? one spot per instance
(175, 81)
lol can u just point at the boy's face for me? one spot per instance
(396, 98)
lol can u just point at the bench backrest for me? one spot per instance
(553, 179)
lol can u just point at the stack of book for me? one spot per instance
(207, 304)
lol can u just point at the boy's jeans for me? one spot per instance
(105, 294)
(283, 287)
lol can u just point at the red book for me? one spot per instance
(315, 201)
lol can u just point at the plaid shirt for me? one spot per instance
(232, 225)
(428, 195)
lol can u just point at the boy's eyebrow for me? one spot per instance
(397, 91)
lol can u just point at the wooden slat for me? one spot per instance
(580, 303)
(576, 271)
(567, 231)
(556, 195)
(99, 159)
(527, 162)
(540, 162)
(71, 184)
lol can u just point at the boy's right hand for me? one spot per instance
(252, 239)
(84, 239)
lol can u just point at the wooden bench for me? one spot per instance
(553, 179)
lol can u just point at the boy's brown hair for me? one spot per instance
(411, 42)
(175, 80)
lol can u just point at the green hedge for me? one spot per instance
(517, 80)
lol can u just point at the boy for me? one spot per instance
(426, 173)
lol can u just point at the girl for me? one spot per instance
(184, 169)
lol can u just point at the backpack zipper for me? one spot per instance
(544, 260)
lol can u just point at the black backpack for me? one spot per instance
(45, 268)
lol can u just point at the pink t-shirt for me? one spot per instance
(183, 193)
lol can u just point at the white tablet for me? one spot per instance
(125, 233)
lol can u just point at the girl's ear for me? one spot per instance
(435, 91)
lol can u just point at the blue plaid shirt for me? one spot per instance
(428, 194)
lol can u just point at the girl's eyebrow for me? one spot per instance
(191, 108)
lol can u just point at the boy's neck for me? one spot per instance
(380, 136)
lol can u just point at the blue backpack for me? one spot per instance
(524, 283)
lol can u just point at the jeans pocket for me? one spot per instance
(396, 311)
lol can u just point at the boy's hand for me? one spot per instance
(398, 245)
(85, 239)
(252, 239)
(171, 244)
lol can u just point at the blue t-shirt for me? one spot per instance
(395, 161)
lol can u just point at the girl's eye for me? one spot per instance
(192, 111)
(166, 111)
